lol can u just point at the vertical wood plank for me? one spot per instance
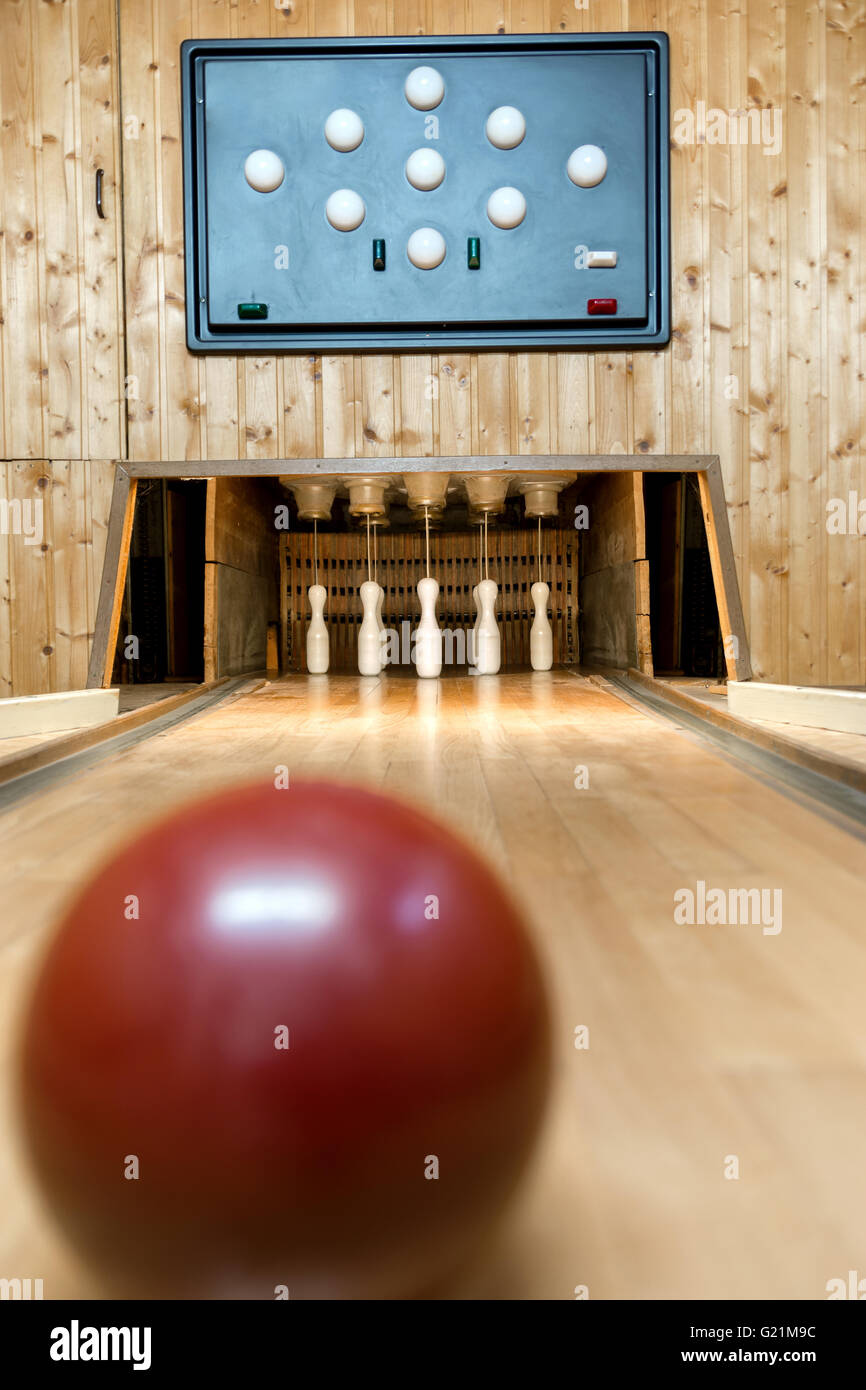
(767, 354)
(147, 404)
(24, 351)
(419, 389)
(32, 598)
(104, 419)
(59, 143)
(806, 252)
(845, 20)
(70, 552)
(6, 684)
(338, 406)
(727, 380)
(183, 369)
(685, 408)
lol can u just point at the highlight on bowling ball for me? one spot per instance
(291, 1041)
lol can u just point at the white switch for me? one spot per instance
(596, 259)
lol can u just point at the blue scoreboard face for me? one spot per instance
(418, 192)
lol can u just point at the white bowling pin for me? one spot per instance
(383, 642)
(541, 633)
(318, 651)
(472, 657)
(369, 658)
(428, 638)
(488, 654)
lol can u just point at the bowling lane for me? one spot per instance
(706, 1044)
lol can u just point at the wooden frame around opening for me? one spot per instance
(706, 466)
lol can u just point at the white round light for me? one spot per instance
(506, 207)
(344, 130)
(345, 210)
(264, 171)
(426, 248)
(506, 127)
(425, 88)
(587, 166)
(425, 169)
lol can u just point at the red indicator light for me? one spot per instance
(601, 306)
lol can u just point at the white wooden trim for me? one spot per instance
(26, 715)
(814, 707)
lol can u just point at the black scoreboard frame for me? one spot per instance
(263, 339)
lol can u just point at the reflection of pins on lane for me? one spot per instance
(369, 649)
(428, 638)
(541, 633)
(489, 651)
(318, 647)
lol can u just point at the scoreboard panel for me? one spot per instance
(400, 193)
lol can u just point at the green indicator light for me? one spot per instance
(378, 254)
(252, 311)
(473, 253)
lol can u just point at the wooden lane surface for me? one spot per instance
(705, 1042)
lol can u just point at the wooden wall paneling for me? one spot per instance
(492, 385)
(147, 404)
(299, 380)
(646, 383)
(610, 430)
(61, 217)
(455, 403)
(726, 84)
(6, 682)
(337, 389)
(845, 156)
(574, 387)
(24, 353)
(768, 607)
(742, 320)
(684, 408)
(49, 579)
(647, 374)
(488, 16)
(860, 156)
(374, 418)
(71, 542)
(532, 370)
(61, 321)
(806, 250)
(32, 635)
(218, 375)
(173, 23)
(259, 388)
(417, 382)
(104, 413)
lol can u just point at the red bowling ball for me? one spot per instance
(287, 1040)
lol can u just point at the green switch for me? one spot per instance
(473, 253)
(379, 253)
(252, 311)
